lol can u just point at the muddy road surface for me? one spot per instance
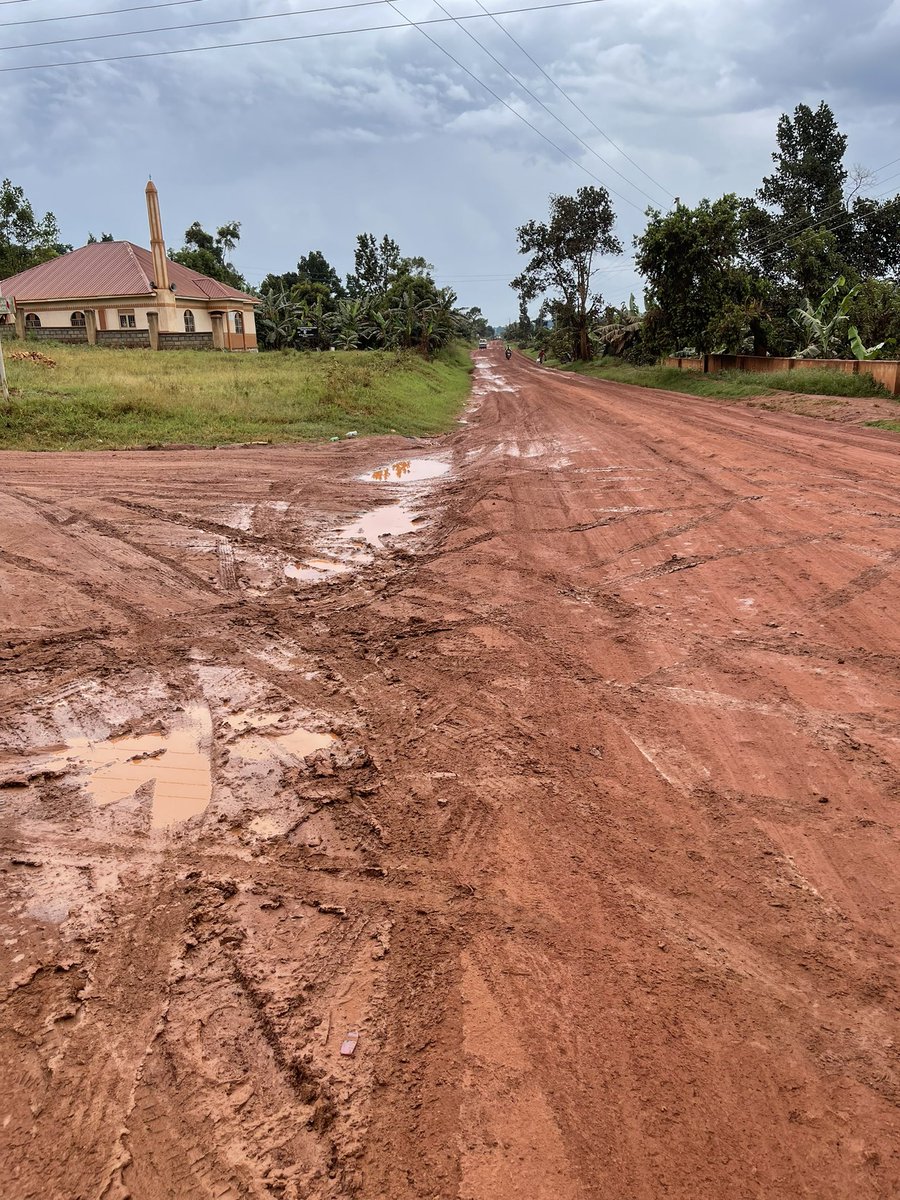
(516, 823)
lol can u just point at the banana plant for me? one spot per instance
(824, 332)
(859, 350)
(278, 319)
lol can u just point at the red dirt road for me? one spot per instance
(601, 864)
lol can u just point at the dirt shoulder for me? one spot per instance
(592, 860)
(849, 410)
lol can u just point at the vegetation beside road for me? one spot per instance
(96, 398)
(726, 385)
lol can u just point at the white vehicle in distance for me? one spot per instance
(482, 345)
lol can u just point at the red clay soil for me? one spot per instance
(601, 865)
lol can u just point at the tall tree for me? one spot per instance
(315, 268)
(563, 260)
(378, 265)
(375, 264)
(207, 253)
(689, 258)
(25, 238)
(809, 176)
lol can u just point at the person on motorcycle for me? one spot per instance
(508, 352)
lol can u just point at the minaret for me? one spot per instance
(165, 298)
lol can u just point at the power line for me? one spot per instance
(500, 100)
(576, 106)
(109, 12)
(296, 37)
(537, 100)
(299, 12)
(294, 12)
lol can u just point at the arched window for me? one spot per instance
(189, 325)
(238, 322)
(77, 320)
(32, 321)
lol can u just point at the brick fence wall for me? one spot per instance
(885, 371)
(50, 333)
(124, 339)
(186, 341)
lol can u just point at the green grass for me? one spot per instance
(893, 426)
(729, 385)
(98, 398)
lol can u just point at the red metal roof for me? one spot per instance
(109, 269)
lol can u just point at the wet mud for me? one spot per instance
(525, 827)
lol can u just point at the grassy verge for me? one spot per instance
(893, 426)
(97, 398)
(729, 385)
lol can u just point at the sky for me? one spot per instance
(419, 132)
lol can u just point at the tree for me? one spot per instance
(315, 268)
(824, 330)
(374, 265)
(563, 252)
(104, 237)
(813, 224)
(475, 323)
(25, 239)
(875, 312)
(278, 321)
(207, 254)
(690, 260)
(377, 265)
(809, 176)
(823, 327)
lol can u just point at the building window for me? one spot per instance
(189, 325)
(77, 320)
(126, 320)
(238, 322)
(32, 321)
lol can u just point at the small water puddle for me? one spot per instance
(177, 763)
(408, 470)
(316, 570)
(392, 520)
(260, 745)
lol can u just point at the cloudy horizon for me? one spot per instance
(309, 142)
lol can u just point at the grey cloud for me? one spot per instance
(312, 142)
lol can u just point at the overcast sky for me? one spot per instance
(309, 142)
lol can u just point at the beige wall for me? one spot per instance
(57, 315)
(51, 317)
(202, 319)
(140, 315)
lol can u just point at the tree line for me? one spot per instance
(389, 301)
(808, 266)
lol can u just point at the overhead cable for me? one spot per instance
(493, 16)
(506, 104)
(296, 37)
(106, 12)
(540, 102)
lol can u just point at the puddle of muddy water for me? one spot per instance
(259, 745)
(177, 763)
(408, 470)
(316, 570)
(392, 520)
